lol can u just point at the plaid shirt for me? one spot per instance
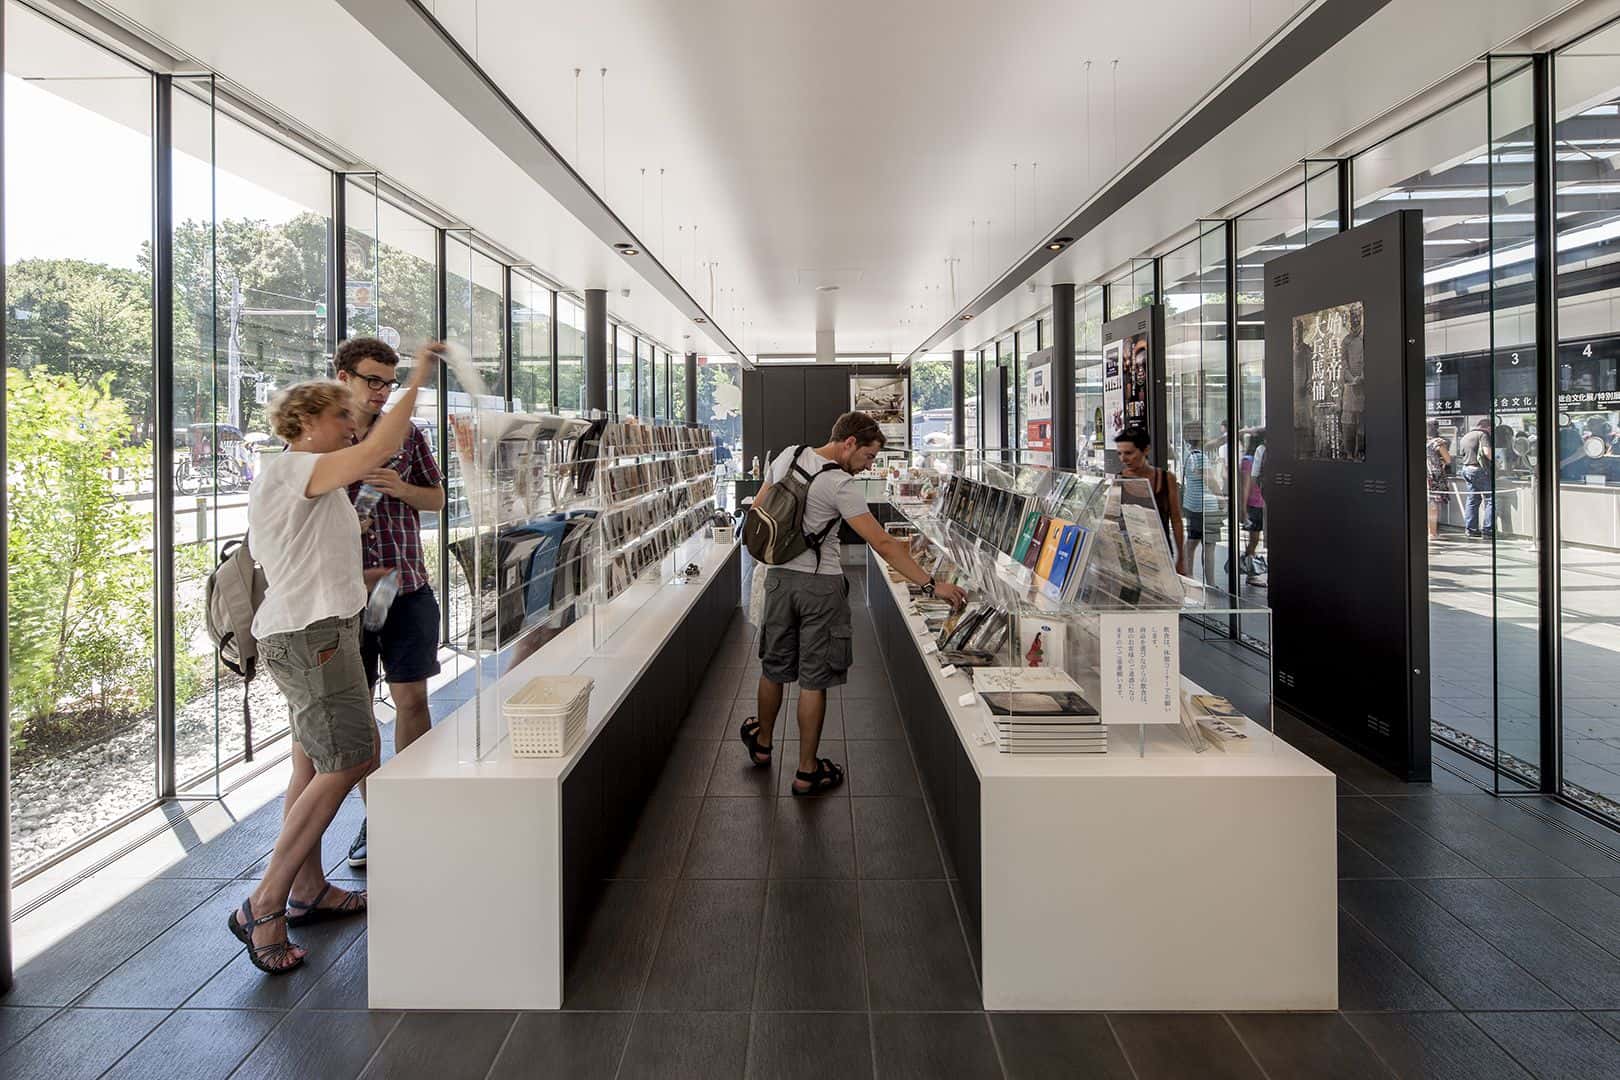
(395, 536)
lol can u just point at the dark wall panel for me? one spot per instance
(782, 411)
(826, 398)
(753, 418)
(1345, 528)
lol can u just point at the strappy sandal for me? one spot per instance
(828, 775)
(303, 914)
(267, 958)
(750, 738)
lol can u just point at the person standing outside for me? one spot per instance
(1437, 464)
(306, 536)
(1199, 509)
(1474, 450)
(805, 636)
(407, 644)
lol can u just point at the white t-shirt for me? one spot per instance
(309, 548)
(832, 496)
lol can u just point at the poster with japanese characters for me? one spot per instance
(1141, 668)
(1329, 384)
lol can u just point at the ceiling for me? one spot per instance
(849, 143)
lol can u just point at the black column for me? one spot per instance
(691, 388)
(162, 440)
(958, 398)
(596, 349)
(1547, 472)
(1064, 436)
(5, 648)
(337, 269)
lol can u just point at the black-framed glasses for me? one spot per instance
(376, 383)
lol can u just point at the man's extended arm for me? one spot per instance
(896, 552)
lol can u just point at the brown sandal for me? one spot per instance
(267, 958)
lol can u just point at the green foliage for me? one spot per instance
(79, 582)
(930, 385)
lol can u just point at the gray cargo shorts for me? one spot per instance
(328, 701)
(805, 637)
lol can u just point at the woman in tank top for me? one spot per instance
(1132, 444)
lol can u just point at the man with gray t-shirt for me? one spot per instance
(805, 637)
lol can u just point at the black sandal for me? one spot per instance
(750, 738)
(264, 957)
(306, 914)
(828, 775)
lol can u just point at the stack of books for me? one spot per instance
(1039, 711)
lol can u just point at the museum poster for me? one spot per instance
(1038, 408)
(1329, 384)
(1125, 383)
(884, 399)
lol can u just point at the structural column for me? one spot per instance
(691, 389)
(958, 398)
(1064, 450)
(596, 350)
(5, 651)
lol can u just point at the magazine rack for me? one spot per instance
(564, 514)
(1071, 572)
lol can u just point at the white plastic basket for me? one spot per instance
(547, 715)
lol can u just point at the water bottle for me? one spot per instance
(382, 598)
(367, 500)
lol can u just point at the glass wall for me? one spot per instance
(531, 346)
(661, 385)
(646, 402)
(1088, 377)
(1027, 341)
(931, 400)
(677, 387)
(570, 356)
(719, 406)
(973, 378)
(1131, 290)
(81, 438)
(624, 371)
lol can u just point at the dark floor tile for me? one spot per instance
(115, 928)
(19, 1021)
(174, 966)
(1371, 977)
(196, 1044)
(1584, 975)
(344, 985)
(578, 1046)
(706, 953)
(834, 750)
(881, 767)
(1356, 861)
(1608, 1021)
(916, 956)
(1434, 1046)
(1497, 852)
(810, 954)
(233, 852)
(810, 1046)
(1451, 957)
(1318, 1045)
(894, 839)
(673, 1046)
(441, 1046)
(931, 1045)
(732, 839)
(872, 718)
(78, 1043)
(1081, 1046)
(1556, 1045)
(328, 1045)
(734, 773)
(616, 950)
(709, 722)
(1178, 1045)
(813, 838)
(1579, 902)
(240, 985)
(1398, 844)
(686, 769)
(658, 842)
(1521, 818)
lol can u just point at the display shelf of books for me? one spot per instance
(1077, 615)
(565, 514)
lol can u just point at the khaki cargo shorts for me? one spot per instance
(328, 701)
(805, 637)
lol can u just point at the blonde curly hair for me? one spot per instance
(293, 407)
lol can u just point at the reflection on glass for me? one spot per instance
(719, 406)
(1088, 377)
(570, 356)
(531, 346)
(931, 401)
(677, 386)
(1028, 341)
(972, 380)
(646, 402)
(624, 371)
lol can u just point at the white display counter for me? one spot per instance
(1164, 880)
(473, 867)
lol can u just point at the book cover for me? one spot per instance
(1054, 533)
(1038, 703)
(1065, 554)
(1007, 679)
(1215, 705)
(1032, 554)
(1026, 533)
(1077, 564)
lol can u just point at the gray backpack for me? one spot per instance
(774, 529)
(234, 592)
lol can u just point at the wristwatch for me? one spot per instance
(928, 589)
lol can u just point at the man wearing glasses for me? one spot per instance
(410, 483)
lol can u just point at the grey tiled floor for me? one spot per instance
(749, 933)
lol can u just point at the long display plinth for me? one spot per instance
(480, 873)
(1151, 877)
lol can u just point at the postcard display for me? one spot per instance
(565, 515)
(1344, 474)
(1074, 767)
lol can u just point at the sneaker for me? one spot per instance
(1475, 533)
(357, 850)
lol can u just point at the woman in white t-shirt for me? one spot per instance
(306, 536)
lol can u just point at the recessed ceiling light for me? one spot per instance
(966, 316)
(700, 320)
(827, 288)
(627, 249)
(1060, 243)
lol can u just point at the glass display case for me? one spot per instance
(1077, 619)
(567, 515)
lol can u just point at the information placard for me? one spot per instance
(1141, 677)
